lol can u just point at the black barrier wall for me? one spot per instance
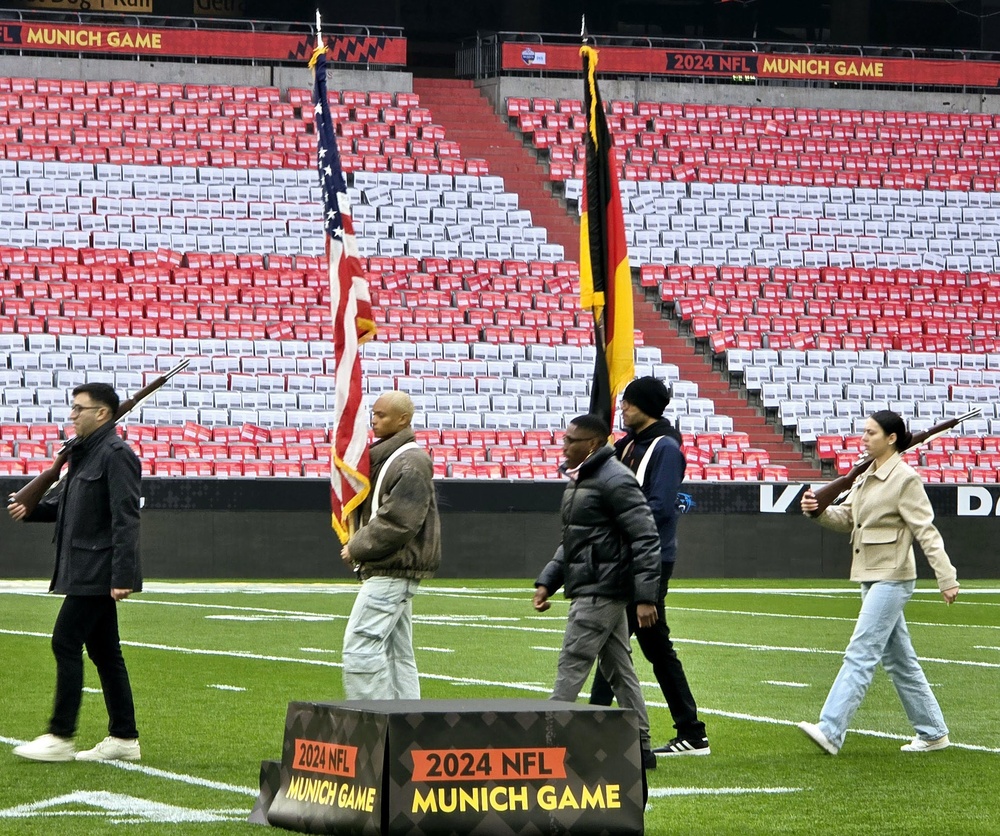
(275, 528)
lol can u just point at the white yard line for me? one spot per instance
(665, 792)
(237, 609)
(33, 587)
(545, 689)
(491, 623)
(802, 617)
(130, 766)
(349, 587)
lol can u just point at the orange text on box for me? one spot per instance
(326, 758)
(488, 764)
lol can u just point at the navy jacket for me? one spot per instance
(609, 543)
(95, 507)
(664, 475)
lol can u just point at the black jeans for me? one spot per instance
(667, 668)
(91, 621)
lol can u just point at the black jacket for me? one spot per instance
(610, 546)
(95, 508)
(663, 478)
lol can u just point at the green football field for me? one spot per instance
(214, 666)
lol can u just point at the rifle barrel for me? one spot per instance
(826, 495)
(31, 494)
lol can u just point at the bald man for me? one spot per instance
(397, 544)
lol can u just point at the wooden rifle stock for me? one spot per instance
(826, 495)
(31, 494)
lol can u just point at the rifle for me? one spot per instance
(826, 495)
(31, 494)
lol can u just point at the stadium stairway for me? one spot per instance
(712, 384)
(469, 118)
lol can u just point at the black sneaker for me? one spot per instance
(648, 759)
(680, 746)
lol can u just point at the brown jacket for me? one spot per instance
(885, 511)
(403, 540)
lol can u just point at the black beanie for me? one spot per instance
(647, 394)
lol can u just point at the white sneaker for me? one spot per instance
(918, 744)
(112, 749)
(47, 748)
(812, 731)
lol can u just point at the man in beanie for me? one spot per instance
(652, 450)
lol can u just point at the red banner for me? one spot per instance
(750, 65)
(197, 43)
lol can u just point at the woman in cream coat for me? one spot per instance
(884, 512)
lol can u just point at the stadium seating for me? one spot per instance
(849, 262)
(143, 222)
(840, 261)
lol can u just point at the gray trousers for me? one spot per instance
(378, 642)
(597, 628)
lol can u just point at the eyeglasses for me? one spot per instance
(76, 409)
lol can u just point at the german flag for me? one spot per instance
(605, 276)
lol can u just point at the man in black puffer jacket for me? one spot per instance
(609, 557)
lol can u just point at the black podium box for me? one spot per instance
(496, 767)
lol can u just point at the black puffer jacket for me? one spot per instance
(610, 545)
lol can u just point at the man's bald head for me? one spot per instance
(392, 412)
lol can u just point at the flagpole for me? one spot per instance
(605, 287)
(351, 314)
(599, 341)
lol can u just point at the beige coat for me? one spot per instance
(885, 510)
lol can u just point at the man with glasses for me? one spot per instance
(609, 557)
(95, 507)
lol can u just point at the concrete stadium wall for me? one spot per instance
(789, 94)
(275, 529)
(177, 72)
(769, 95)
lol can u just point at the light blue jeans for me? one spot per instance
(881, 636)
(378, 642)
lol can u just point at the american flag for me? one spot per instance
(351, 308)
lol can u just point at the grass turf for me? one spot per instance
(213, 669)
